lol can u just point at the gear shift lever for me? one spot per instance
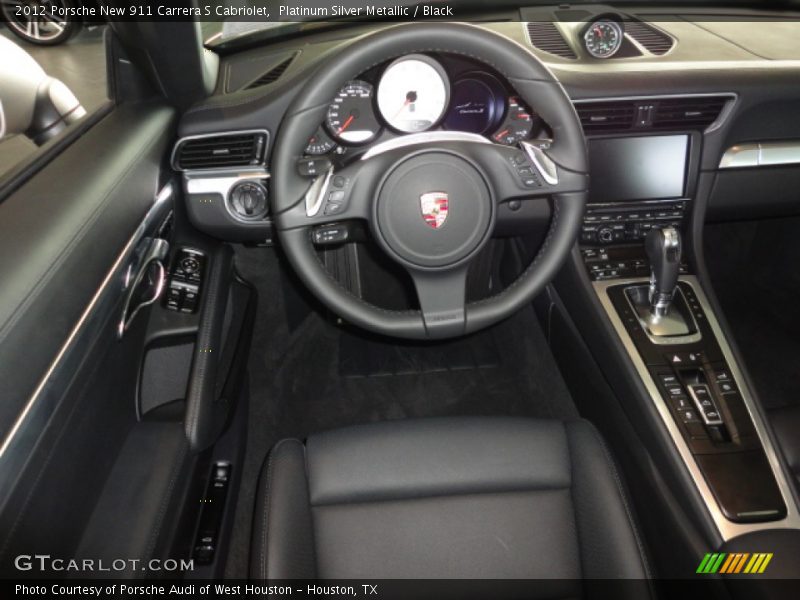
(663, 248)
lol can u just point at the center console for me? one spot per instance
(631, 247)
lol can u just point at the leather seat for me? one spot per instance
(446, 498)
(786, 425)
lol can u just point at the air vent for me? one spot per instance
(221, 151)
(676, 114)
(688, 113)
(653, 40)
(273, 74)
(606, 117)
(546, 37)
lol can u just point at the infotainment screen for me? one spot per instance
(638, 168)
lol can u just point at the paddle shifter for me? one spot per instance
(663, 248)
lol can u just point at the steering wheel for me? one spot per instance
(433, 199)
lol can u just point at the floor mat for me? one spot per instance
(321, 376)
(361, 356)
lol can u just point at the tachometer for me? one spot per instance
(413, 93)
(603, 38)
(320, 143)
(351, 118)
(518, 124)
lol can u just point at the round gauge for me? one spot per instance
(474, 105)
(320, 142)
(603, 38)
(518, 124)
(351, 119)
(413, 93)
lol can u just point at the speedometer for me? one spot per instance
(351, 118)
(603, 38)
(413, 93)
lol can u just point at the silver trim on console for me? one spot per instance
(727, 529)
(174, 156)
(426, 137)
(221, 182)
(761, 154)
(668, 340)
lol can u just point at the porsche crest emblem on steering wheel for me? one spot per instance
(434, 207)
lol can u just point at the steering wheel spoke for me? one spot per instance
(442, 300)
(526, 171)
(334, 195)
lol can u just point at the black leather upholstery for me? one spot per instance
(446, 498)
(786, 425)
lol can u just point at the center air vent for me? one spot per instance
(606, 117)
(688, 113)
(221, 151)
(663, 114)
(651, 39)
(546, 37)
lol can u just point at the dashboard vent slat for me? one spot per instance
(606, 117)
(273, 74)
(653, 40)
(546, 37)
(222, 151)
(688, 113)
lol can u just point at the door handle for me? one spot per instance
(147, 285)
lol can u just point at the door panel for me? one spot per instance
(67, 239)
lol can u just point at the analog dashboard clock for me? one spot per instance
(603, 38)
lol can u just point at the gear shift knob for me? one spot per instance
(663, 248)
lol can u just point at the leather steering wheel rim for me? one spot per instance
(532, 81)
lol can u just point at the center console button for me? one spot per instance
(674, 390)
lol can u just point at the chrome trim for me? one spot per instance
(663, 340)
(173, 161)
(221, 182)
(699, 406)
(156, 252)
(723, 114)
(315, 195)
(543, 163)
(727, 529)
(761, 154)
(740, 156)
(426, 137)
(100, 308)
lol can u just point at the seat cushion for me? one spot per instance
(446, 498)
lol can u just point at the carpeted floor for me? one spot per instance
(320, 376)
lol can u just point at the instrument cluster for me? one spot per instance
(416, 93)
